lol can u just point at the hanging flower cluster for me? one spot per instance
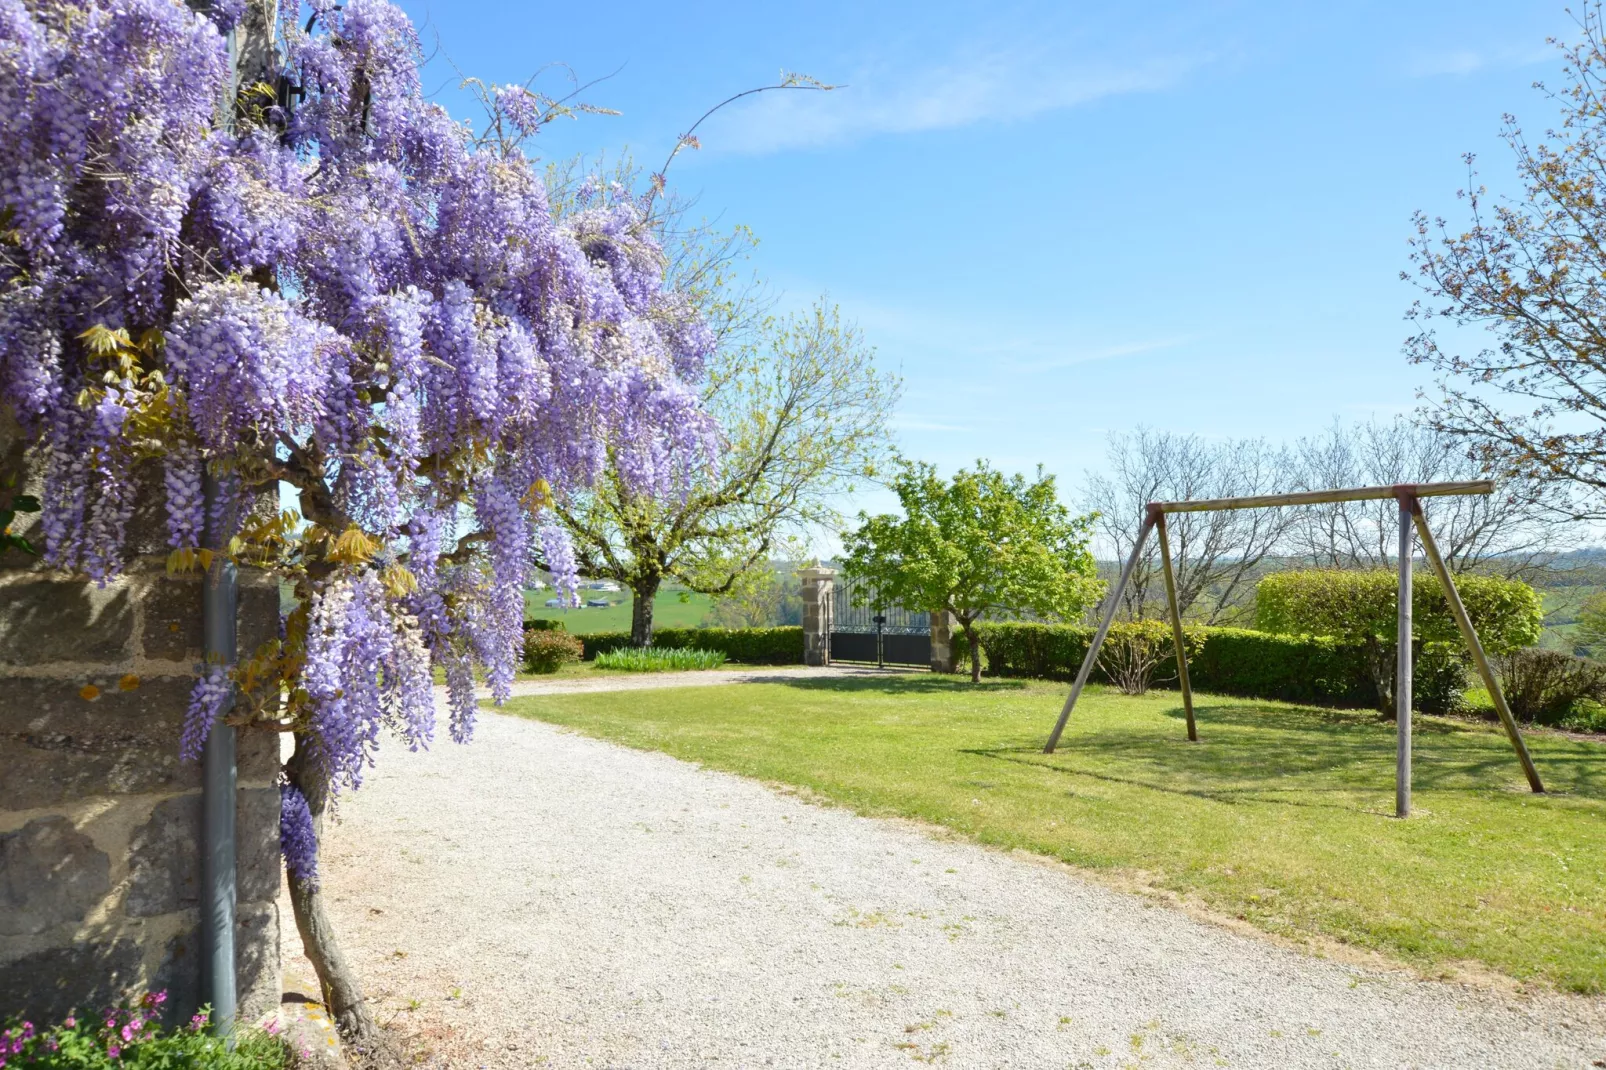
(352, 296)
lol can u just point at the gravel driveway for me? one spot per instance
(542, 899)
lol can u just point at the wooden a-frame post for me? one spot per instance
(1409, 496)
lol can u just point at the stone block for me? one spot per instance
(258, 619)
(173, 617)
(256, 952)
(55, 745)
(43, 620)
(256, 754)
(164, 868)
(50, 873)
(257, 843)
(165, 862)
(45, 985)
(172, 629)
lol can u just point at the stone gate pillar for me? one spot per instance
(818, 585)
(942, 641)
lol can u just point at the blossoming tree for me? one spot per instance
(322, 283)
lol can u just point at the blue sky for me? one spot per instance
(1059, 220)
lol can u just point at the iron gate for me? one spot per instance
(885, 635)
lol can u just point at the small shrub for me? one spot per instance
(1137, 654)
(1547, 686)
(545, 624)
(131, 1037)
(547, 650)
(1439, 678)
(1587, 715)
(659, 659)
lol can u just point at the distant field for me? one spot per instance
(1561, 614)
(668, 611)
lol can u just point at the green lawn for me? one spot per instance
(1280, 815)
(668, 611)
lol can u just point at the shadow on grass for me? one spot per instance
(1257, 753)
(900, 684)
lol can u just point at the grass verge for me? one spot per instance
(1279, 816)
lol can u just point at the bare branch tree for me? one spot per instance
(1215, 554)
(1504, 533)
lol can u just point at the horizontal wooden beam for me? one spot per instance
(1321, 497)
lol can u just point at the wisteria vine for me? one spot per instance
(355, 296)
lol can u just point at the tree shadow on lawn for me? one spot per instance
(1296, 755)
(900, 684)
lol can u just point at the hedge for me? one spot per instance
(750, 646)
(1231, 661)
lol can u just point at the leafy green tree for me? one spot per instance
(803, 413)
(1362, 607)
(981, 543)
(773, 599)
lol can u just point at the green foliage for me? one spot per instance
(802, 410)
(1273, 818)
(980, 543)
(749, 646)
(1136, 652)
(547, 649)
(1591, 631)
(544, 624)
(20, 503)
(131, 1037)
(659, 659)
(771, 597)
(1356, 606)
(1548, 686)
(1229, 661)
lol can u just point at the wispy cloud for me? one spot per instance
(1125, 349)
(999, 85)
(1463, 61)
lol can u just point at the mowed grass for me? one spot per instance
(668, 611)
(1281, 815)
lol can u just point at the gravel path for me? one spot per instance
(543, 899)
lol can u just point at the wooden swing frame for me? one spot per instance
(1409, 496)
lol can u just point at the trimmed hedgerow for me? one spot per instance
(749, 646)
(1229, 661)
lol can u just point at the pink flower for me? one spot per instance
(71, 1022)
(113, 1052)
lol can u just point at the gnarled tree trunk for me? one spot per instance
(643, 590)
(342, 994)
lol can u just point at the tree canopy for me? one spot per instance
(803, 413)
(981, 543)
(1529, 272)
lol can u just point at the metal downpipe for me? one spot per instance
(219, 603)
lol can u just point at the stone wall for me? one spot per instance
(99, 820)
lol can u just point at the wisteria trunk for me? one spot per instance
(643, 594)
(342, 994)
